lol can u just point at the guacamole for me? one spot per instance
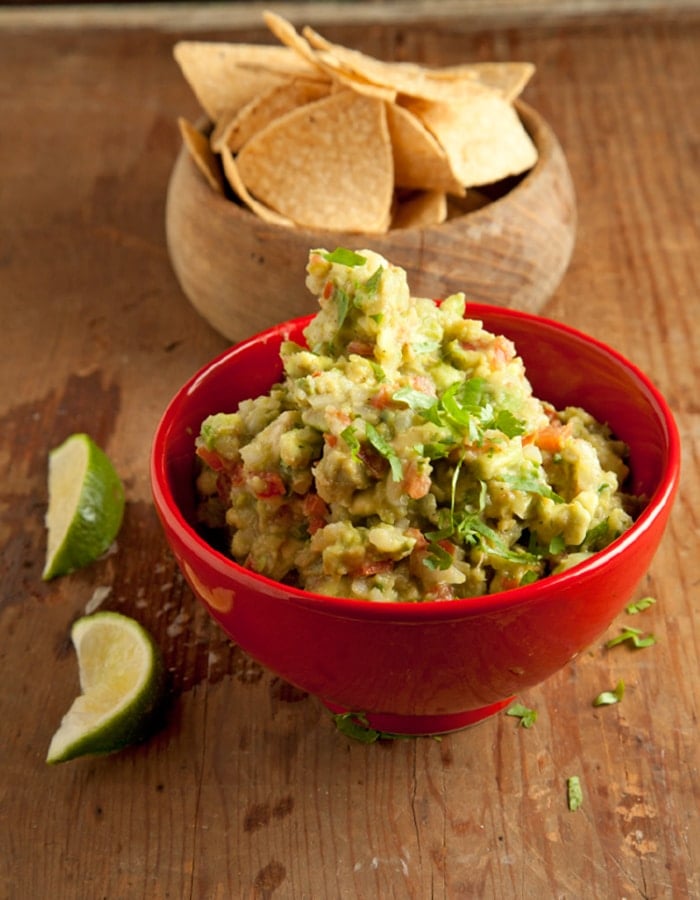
(403, 457)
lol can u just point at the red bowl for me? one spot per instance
(433, 667)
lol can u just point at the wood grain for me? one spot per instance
(249, 791)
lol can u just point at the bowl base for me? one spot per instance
(417, 726)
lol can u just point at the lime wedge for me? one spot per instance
(86, 505)
(122, 681)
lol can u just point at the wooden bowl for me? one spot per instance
(244, 275)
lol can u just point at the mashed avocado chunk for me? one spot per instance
(403, 457)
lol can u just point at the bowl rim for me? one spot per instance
(434, 611)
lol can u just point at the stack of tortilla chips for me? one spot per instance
(312, 134)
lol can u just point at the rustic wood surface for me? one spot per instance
(249, 790)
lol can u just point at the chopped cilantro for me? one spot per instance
(608, 698)
(341, 298)
(633, 636)
(345, 257)
(371, 286)
(557, 545)
(530, 577)
(419, 402)
(574, 793)
(379, 373)
(349, 435)
(356, 726)
(464, 408)
(387, 451)
(597, 537)
(633, 608)
(439, 558)
(527, 717)
(475, 532)
(530, 484)
(505, 421)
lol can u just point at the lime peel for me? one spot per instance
(86, 505)
(122, 682)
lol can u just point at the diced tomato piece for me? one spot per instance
(274, 485)
(376, 567)
(552, 436)
(441, 592)
(211, 458)
(503, 351)
(382, 398)
(316, 512)
(423, 384)
(416, 483)
(418, 537)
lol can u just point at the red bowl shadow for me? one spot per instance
(426, 668)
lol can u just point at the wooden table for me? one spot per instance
(250, 791)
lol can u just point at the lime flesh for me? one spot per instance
(122, 679)
(86, 505)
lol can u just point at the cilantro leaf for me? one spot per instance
(633, 636)
(574, 793)
(356, 726)
(383, 447)
(419, 402)
(349, 435)
(527, 717)
(608, 698)
(439, 558)
(341, 298)
(474, 531)
(371, 286)
(345, 257)
(505, 421)
(530, 484)
(633, 608)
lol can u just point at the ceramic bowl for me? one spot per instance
(514, 251)
(433, 667)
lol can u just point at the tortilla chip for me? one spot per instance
(420, 210)
(287, 34)
(236, 182)
(508, 78)
(325, 165)
(352, 80)
(483, 136)
(263, 109)
(224, 77)
(200, 151)
(406, 78)
(419, 160)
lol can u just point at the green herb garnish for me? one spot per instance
(383, 447)
(633, 608)
(574, 793)
(439, 558)
(345, 257)
(343, 300)
(349, 435)
(527, 716)
(608, 698)
(530, 484)
(633, 636)
(371, 286)
(356, 726)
